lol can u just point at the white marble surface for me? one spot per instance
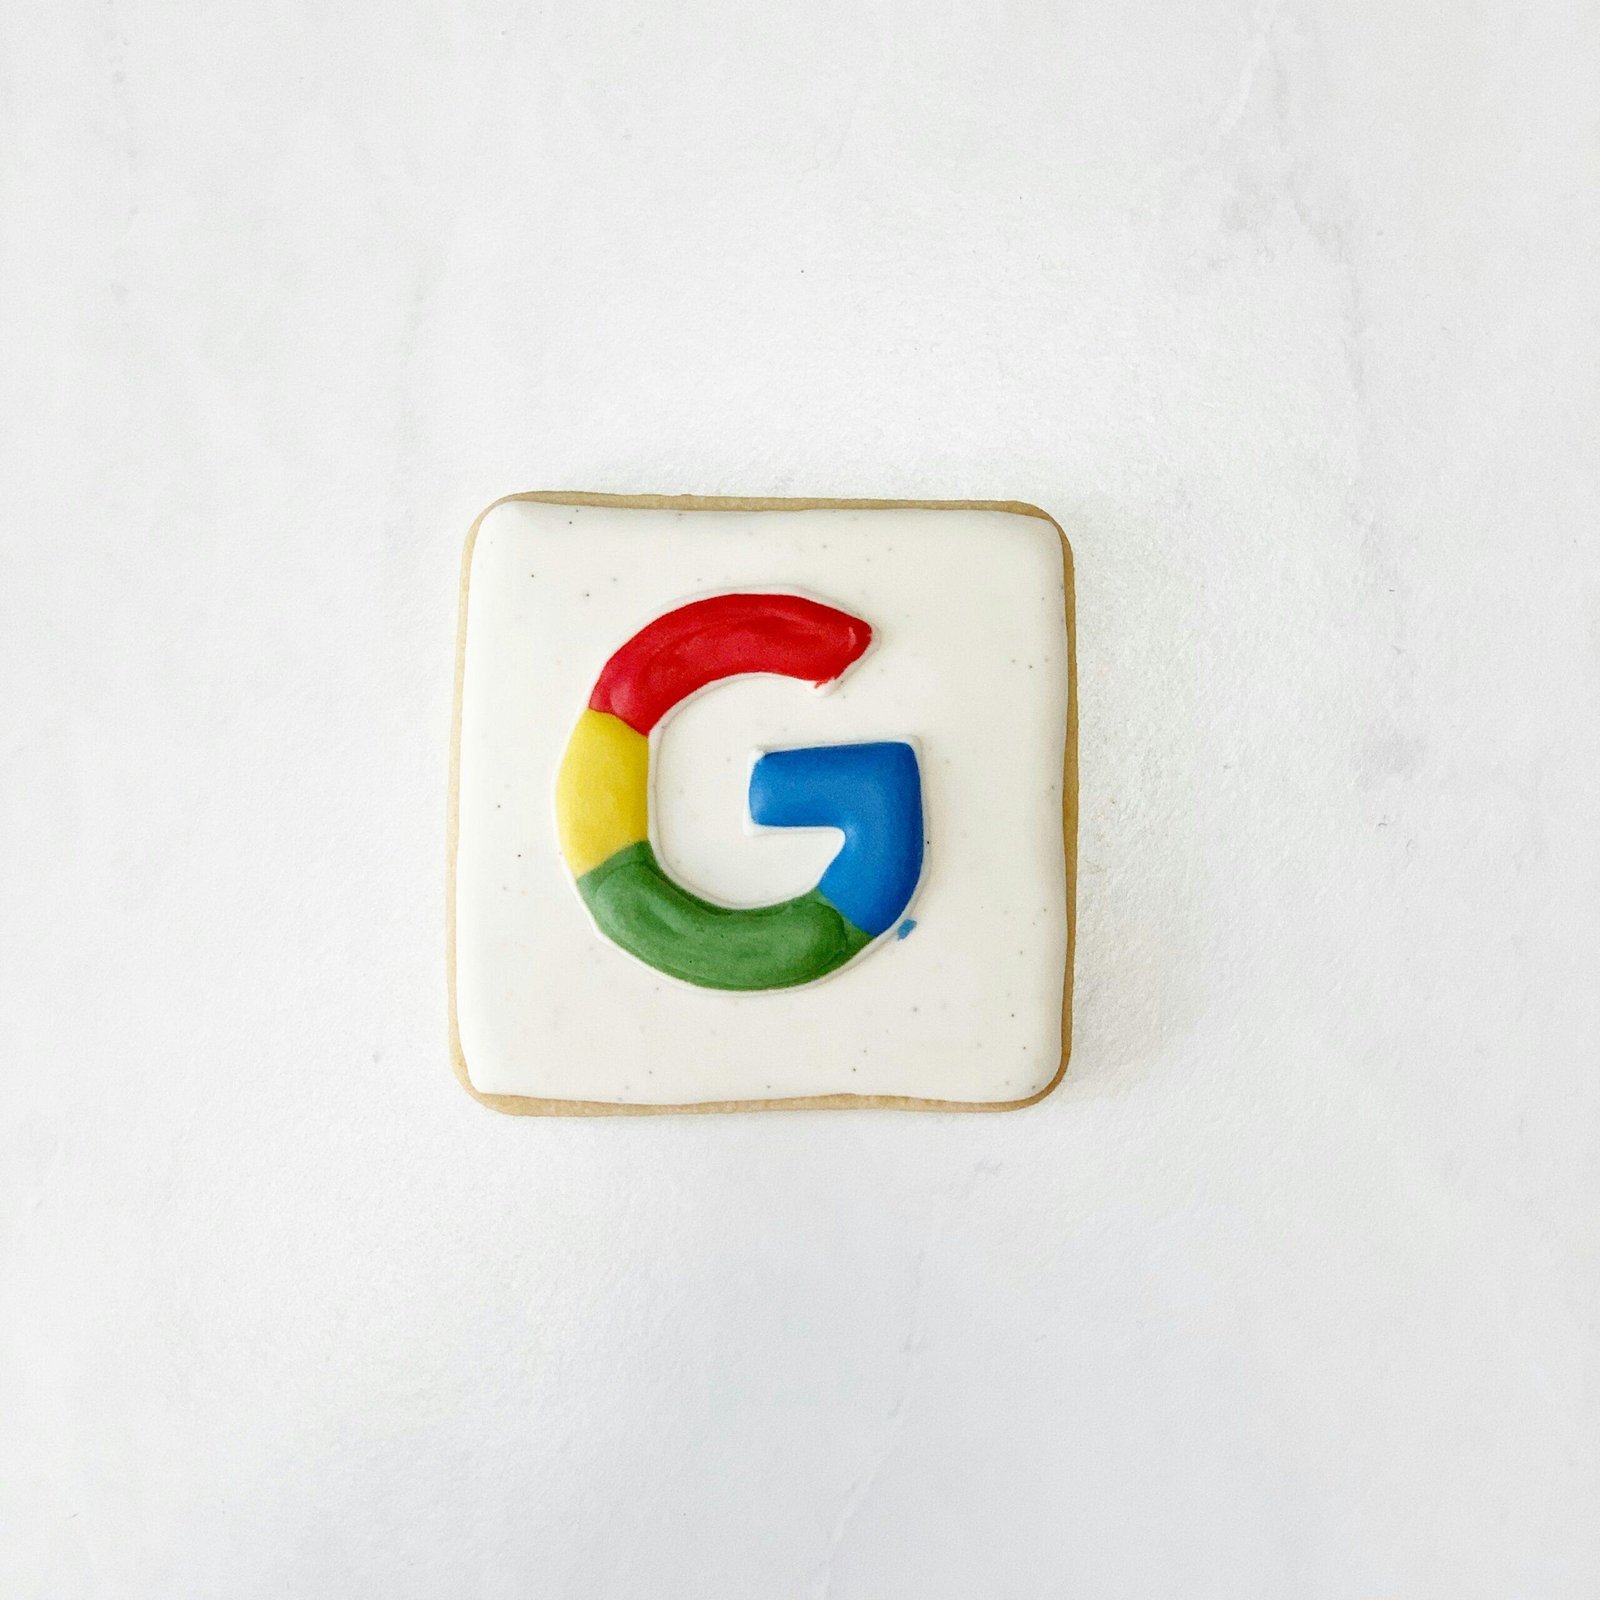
(1289, 313)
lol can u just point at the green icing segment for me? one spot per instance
(638, 906)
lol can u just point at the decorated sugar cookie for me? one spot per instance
(762, 804)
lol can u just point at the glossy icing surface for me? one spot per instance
(726, 636)
(761, 806)
(643, 911)
(870, 793)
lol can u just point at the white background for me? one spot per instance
(1288, 314)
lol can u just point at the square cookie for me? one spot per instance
(762, 803)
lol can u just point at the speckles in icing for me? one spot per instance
(955, 1013)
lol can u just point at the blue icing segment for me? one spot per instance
(873, 794)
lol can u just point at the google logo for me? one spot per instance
(872, 793)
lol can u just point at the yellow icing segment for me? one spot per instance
(602, 791)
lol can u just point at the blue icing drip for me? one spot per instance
(904, 930)
(873, 794)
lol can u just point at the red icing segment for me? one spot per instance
(724, 637)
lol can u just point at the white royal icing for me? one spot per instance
(969, 663)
